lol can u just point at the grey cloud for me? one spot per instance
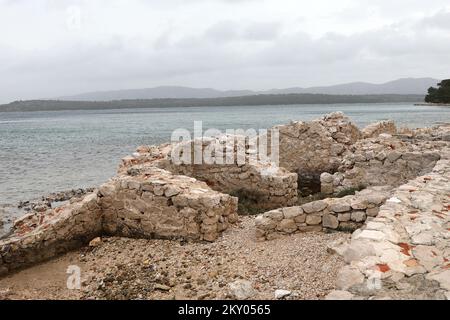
(262, 31)
(222, 31)
(225, 53)
(440, 20)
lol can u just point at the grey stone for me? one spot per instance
(287, 226)
(172, 191)
(359, 203)
(265, 223)
(313, 219)
(276, 215)
(292, 212)
(330, 221)
(300, 219)
(372, 212)
(348, 277)
(358, 216)
(340, 206)
(326, 178)
(241, 289)
(344, 217)
(315, 206)
(281, 294)
(393, 156)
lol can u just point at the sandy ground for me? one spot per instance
(120, 268)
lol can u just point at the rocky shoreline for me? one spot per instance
(10, 212)
(53, 200)
(160, 230)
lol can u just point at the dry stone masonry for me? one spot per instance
(384, 160)
(154, 203)
(347, 213)
(403, 253)
(311, 148)
(267, 185)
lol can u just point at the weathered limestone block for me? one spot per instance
(330, 221)
(292, 212)
(287, 226)
(313, 219)
(314, 207)
(340, 205)
(358, 216)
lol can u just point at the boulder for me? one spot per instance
(241, 289)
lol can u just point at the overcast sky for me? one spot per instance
(50, 48)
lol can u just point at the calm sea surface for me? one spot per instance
(43, 152)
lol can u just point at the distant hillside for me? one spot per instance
(402, 86)
(166, 92)
(280, 99)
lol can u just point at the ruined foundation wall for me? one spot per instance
(311, 148)
(261, 182)
(343, 214)
(272, 189)
(381, 161)
(316, 146)
(403, 253)
(153, 203)
(158, 204)
(40, 236)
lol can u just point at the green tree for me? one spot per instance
(440, 94)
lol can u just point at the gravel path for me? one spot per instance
(120, 268)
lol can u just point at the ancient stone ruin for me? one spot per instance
(390, 185)
(311, 148)
(380, 161)
(347, 213)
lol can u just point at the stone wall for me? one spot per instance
(343, 214)
(403, 253)
(155, 203)
(381, 161)
(40, 236)
(264, 185)
(311, 148)
(375, 129)
(151, 203)
(439, 132)
(316, 146)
